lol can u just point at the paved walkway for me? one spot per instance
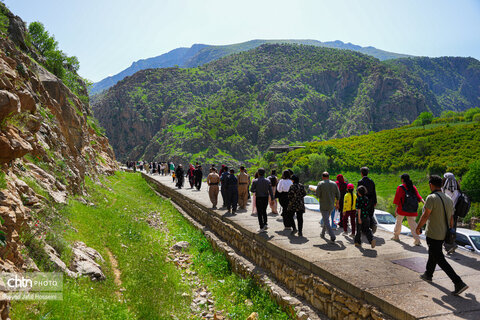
(392, 285)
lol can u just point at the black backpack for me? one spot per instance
(463, 205)
(411, 202)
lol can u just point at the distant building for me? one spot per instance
(284, 148)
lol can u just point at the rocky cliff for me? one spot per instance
(48, 145)
(236, 107)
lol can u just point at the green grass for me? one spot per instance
(153, 286)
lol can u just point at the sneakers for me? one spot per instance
(261, 230)
(459, 288)
(373, 243)
(395, 238)
(265, 227)
(332, 240)
(425, 277)
(322, 235)
(352, 234)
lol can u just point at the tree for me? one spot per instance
(476, 117)
(423, 119)
(41, 39)
(470, 113)
(471, 182)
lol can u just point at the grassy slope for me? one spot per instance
(153, 286)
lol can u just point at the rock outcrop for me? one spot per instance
(48, 146)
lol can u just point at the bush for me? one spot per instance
(471, 182)
(476, 117)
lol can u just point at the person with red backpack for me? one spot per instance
(406, 199)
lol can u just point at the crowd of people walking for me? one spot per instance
(356, 207)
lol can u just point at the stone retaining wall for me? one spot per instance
(324, 291)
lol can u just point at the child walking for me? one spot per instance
(349, 210)
(363, 218)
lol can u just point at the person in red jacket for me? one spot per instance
(406, 199)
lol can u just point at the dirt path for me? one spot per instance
(117, 273)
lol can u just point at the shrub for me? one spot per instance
(476, 117)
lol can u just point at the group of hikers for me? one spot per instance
(356, 206)
(162, 168)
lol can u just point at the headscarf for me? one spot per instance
(342, 186)
(450, 182)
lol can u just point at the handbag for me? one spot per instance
(451, 233)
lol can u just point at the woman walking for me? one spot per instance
(451, 188)
(282, 188)
(296, 205)
(406, 199)
(342, 187)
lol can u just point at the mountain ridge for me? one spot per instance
(199, 54)
(234, 108)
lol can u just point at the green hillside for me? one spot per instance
(439, 149)
(236, 107)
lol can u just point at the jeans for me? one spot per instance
(435, 256)
(326, 224)
(332, 217)
(262, 204)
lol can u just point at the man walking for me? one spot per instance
(328, 196)
(212, 180)
(438, 216)
(231, 192)
(262, 189)
(371, 195)
(198, 176)
(243, 182)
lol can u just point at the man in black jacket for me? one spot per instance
(198, 175)
(262, 189)
(371, 195)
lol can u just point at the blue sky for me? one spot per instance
(107, 36)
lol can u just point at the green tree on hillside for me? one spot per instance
(423, 119)
(470, 113)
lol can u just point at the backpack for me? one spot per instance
(410, 204)
(463, 205)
